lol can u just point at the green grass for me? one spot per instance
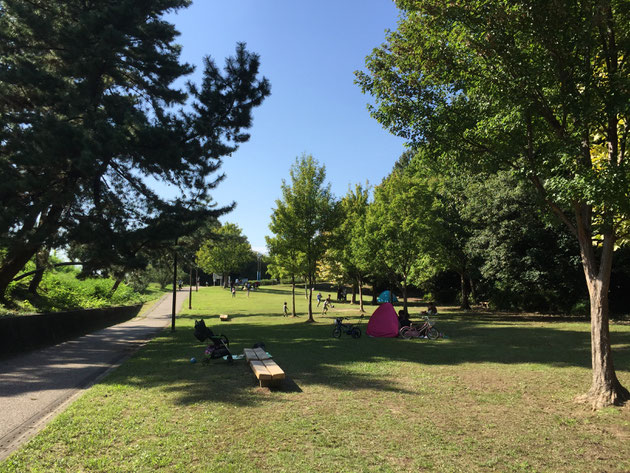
(495, 396)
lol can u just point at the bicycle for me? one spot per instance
(427, 330)
(352, 330)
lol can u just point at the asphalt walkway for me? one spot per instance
(36, 386)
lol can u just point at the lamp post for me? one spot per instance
(258, 268)
(174, 286)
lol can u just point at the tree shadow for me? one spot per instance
(280, 291)
(309, 355)
(73, 364)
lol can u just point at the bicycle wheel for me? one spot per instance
(405, 332)
(337, 332)
(432, 333)
(356, 332)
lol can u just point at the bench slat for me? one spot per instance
(274, 370)
(250, 354)
(260, 370)
(261, 354)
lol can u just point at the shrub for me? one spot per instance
(61, 290)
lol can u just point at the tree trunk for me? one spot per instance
(41, 260)
(374, 301)
(473, 293)
(605, 389)
(354, 293)
(174, 301)
(310, 303)
(23, 249)
(115, 286)
(190, 285)
(361, 295)
(13, 264)
(404, 291)
(293, 294)
(464, 291)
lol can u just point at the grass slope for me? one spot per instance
(495, 396)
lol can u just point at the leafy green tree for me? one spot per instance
(160, 268)
(226, 252)
(445, 221)
(363, 248)
(452, 231)
(90, 117)
(539, 87)
(305, 216)
(342, 263)
(526, 258)
(398, 228)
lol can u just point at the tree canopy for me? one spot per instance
(305, 216)
(226, 252)
(90, 116)
(538, 87)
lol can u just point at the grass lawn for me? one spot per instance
(497, 395)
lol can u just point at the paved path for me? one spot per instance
(36, 386)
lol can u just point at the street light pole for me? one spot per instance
(190, 287)
(174, 287)
(258, 268)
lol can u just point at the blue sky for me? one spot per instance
(308, 51)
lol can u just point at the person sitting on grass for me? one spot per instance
(431, 309)
(403, 318)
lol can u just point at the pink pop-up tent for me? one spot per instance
(384, 322)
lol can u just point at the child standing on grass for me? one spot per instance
(285, 310)
(327, 305)
(233, 291)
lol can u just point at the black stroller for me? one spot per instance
(220, 344)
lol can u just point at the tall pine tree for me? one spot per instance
(89, 113)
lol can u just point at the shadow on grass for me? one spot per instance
(311, 356)
(298, 292)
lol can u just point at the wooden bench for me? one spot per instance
(266, 370)
(224, 317)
